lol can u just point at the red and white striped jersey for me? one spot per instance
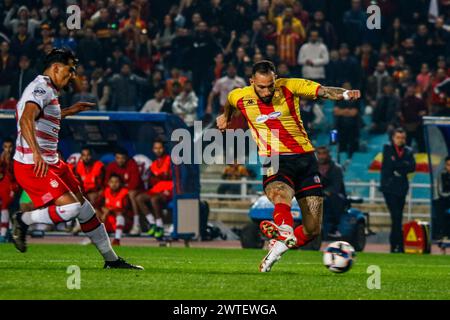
(42, 93)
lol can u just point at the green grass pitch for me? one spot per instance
(191, 273)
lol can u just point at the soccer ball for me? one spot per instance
(338, 256)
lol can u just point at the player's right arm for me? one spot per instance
(28, 132)
(229, 110)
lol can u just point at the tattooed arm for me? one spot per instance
(334, 93)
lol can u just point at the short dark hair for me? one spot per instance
(59, 56)
(447, 158)
(120, 150)
(115, 175)
(9, 140)
(86, 148)
(158, 140)
(264, 67)
(398, 130)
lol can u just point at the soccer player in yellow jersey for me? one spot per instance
(271, 108)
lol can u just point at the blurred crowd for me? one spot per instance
(184, 56)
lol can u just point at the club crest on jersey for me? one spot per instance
(38, 92)
(54, 184)
(316, 179)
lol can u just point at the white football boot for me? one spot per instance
(275, 253)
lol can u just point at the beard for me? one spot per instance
(266, 99)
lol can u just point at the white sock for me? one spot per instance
(136, 220)
(120, 223)
(98, 235)
(150, 218)
(52, 214)
(4, 222)
(159, 222)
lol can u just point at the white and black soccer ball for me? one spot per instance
(339, 256)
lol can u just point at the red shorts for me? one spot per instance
(6, 194)
(58, 181)
(111, 224)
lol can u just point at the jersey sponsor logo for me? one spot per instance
(271, 116)
(262, 118)
(54, 184)
(274, 115)
(38, 92)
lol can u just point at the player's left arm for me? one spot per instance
(76, 108)
(334, 93)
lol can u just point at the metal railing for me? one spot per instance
(371, 189)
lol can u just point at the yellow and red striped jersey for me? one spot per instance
(277, 127)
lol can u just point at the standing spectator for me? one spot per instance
(412, 109)
(347, 67)
(91, 173)
(438, 97)
(443, 201)
(332, 178)
(423, 79)
(325, 29)
(354, 24)
(22, 43)
(89, 50)
(115, 62)
(287, 43)
(7, 65)
(313, 56)
(395, 35)
(223, 86)
(376, 82)
(347, 121)
(203, 50)
(85, 94)
(45, 38)
(384, 115)
(288, 14)
(398, 161)
(186, 104)
(65, 39)
(128, 170)
(22, 77)
(157, 103)
(100, 89)
(23, 17)
(257, 38)
(124, 89)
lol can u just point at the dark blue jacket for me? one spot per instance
(394, 170)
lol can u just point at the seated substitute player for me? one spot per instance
(271, 108)
(8, 186)
(160, 190)
(128, 170)
(47, 179)
(91, 173)
(113, 207)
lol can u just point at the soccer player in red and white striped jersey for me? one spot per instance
(45, 177)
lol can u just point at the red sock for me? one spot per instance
(302, 239)
(282, 214)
